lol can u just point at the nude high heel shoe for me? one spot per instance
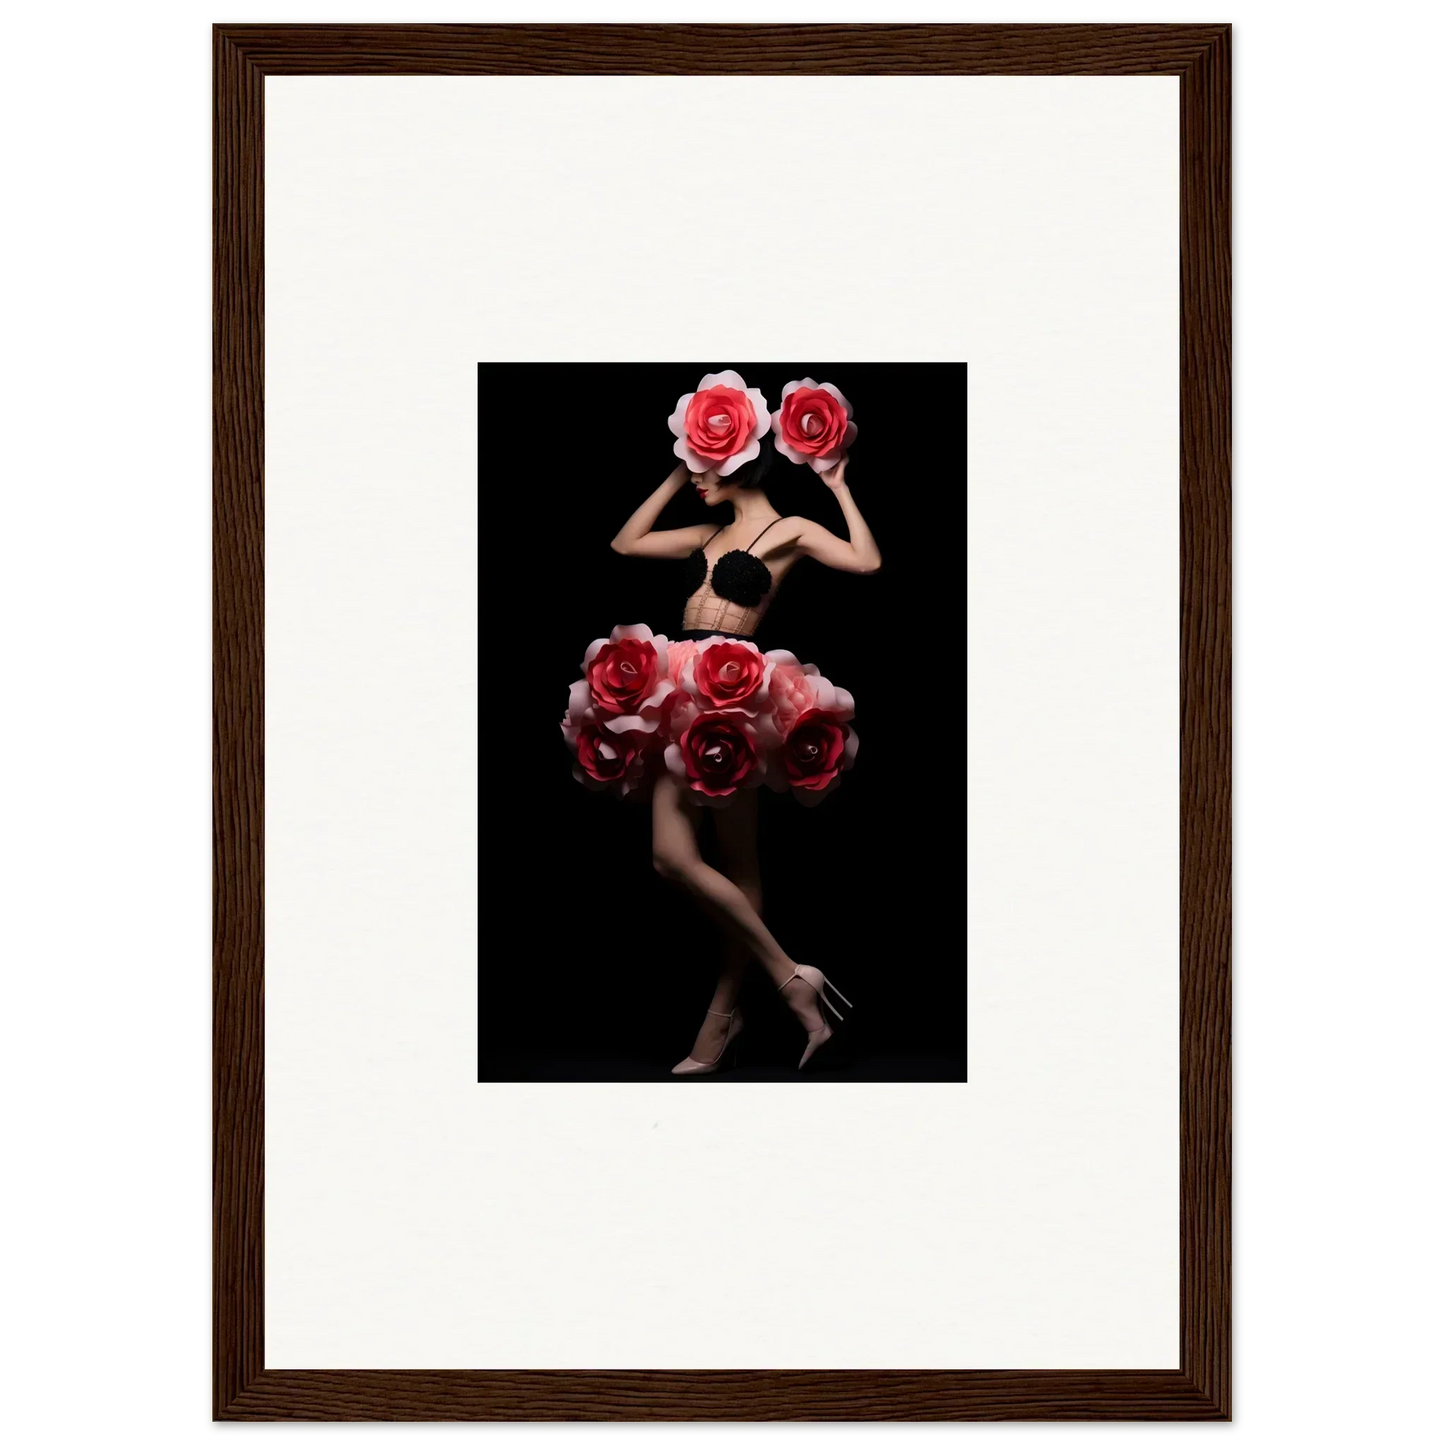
(691, 1065)
(819, 982)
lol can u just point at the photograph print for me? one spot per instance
(722, 823)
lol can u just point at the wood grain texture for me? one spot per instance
(722, 1395)
(1204, 721)
(1200, 1389)
(238, 712)
(722, 49)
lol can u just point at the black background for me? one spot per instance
(591, 967)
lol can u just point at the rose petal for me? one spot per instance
(810, 798)
(738, 458)
(722, 378)
(630, 722)
(762, 417)
(663, 688)
(679, 416)
(690, 458)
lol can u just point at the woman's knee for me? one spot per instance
(673, 866)
(745, 876)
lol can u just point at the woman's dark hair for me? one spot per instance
(751, 474)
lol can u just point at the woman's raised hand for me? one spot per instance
(834, 476)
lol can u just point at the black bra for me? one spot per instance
(736, 576)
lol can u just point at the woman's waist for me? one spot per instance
(696, 634)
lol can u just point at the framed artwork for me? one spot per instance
(722, 716)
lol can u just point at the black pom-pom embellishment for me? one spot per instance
(742, 578)
(694, 571)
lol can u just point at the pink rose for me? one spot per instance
(790, 691)
(716, 754)
(814, 425)
(679, 654)
(626, 677)
(725, 674)
(808, 744)
(718, 426)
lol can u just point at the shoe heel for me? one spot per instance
(829, 984)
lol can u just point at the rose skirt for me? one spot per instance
(717, 713)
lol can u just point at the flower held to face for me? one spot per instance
(814, 426)
(718, 426)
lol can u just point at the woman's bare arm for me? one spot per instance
(637, 539)
(860, 552)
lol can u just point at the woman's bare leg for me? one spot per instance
(676, 857)
(737, 842)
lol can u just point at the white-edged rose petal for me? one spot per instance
(629, 722)
(722, 378)
(677, 421)
(579, 701)
(727, 468)
(762, 417)
(690, 458)
(792, 454)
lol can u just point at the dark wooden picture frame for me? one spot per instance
(1200, 1390)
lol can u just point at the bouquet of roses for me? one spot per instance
(718, 714)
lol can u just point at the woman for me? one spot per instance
(735, 571)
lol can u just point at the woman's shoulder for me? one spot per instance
(791, 529)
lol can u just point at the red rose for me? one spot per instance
(814, 424)
(606, 756)
(715, 753)
(718, 426)
(623, 674)
(813, 751)
(718, 422)
(725, 674)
